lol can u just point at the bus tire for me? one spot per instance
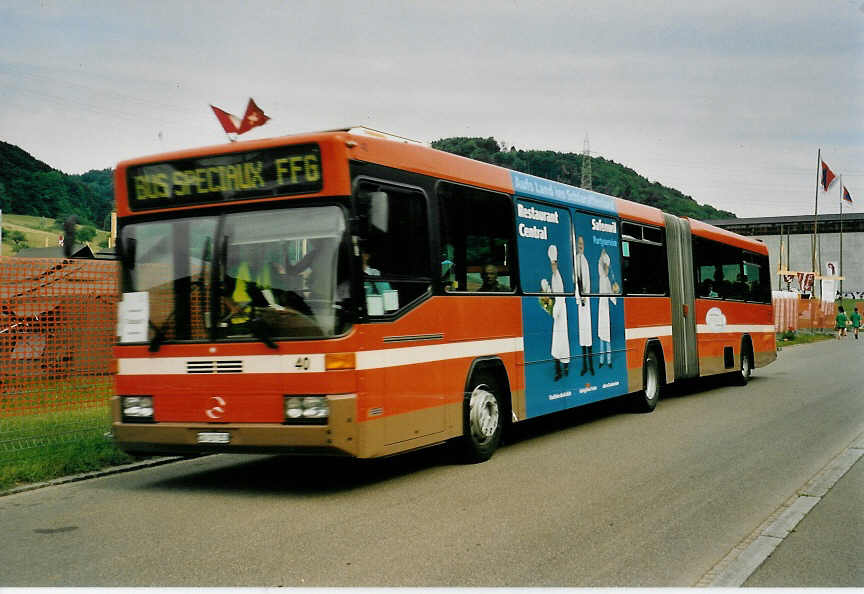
(646, 399)
(745, 368)
(482, 420)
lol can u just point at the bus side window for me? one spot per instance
(719, 271)
(644, 265)
(758, 277)
(393, 241)
(476, 226)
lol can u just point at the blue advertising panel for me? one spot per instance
(599, 309)
(574, 321)
(544, 241)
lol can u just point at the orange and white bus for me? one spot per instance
(348, 292)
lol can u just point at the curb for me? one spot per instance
(94, 474)
(737, 566)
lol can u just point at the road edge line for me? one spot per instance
(746, 557)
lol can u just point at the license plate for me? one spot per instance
(214, 437)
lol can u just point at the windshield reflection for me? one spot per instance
(277, 274)
(283, 268)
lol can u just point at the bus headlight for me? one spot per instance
(306, 410)
(137, 409)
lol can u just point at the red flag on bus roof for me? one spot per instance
(254, 117)
(827, 176)
(230, 122)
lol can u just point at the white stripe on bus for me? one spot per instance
(734, 328)
(314, 362)
(647, 332)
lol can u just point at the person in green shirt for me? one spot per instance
(840, 322)
(856, 322)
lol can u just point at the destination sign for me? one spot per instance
(237, 176)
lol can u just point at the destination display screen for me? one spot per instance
(237, 176)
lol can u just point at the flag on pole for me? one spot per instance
(230, 122)
(254, 117)
(846, 195)
(827, 176)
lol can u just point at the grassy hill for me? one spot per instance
(43, 232)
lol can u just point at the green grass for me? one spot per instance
(802, 338)
(40, 232)
(41, 447)
(50, 428)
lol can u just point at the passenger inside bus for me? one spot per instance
(490, 280)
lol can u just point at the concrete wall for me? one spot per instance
(828, 250)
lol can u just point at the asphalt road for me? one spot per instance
(595, 497)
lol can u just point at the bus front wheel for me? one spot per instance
(482, 421)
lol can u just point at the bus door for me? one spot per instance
(408, 376)
(679, 250)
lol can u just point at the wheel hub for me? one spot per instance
(484, 414)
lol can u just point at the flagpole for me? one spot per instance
(841, 235)
(816, 208)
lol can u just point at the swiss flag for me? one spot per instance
(230, 122)
(827, 176)
(254, 117)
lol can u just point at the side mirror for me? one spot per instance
(127, 254)
(69, 235)
(379, 210)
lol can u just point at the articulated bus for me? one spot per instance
(352, 293)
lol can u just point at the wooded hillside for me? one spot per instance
(607, 176)
(30, 187)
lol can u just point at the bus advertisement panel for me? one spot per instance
(574, 346)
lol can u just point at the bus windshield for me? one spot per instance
(270, 274)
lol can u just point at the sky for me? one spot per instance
(727, 101)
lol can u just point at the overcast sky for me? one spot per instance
(726, 101)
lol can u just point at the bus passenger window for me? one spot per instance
(758, 277)
(393, 243)
(644, 266)
(476, 226)
(718, 271)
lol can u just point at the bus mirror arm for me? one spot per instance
(262, 332)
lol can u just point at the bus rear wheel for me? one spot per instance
(646, 399)
(482, 421)
(745, 370)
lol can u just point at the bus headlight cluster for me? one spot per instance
(137, 408)
(306, 409)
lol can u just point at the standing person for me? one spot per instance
(583, 286)
(604, 332)
(856, 322)
(840, 322)
(560, 350)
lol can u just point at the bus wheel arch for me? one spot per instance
(486, 409)
(653, 377)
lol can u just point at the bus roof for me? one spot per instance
(701, 229)
(373, 146)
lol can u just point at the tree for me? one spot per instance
(85, 234)
(16, 238)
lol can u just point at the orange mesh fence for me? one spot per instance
(58, 321)
(793, 313)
